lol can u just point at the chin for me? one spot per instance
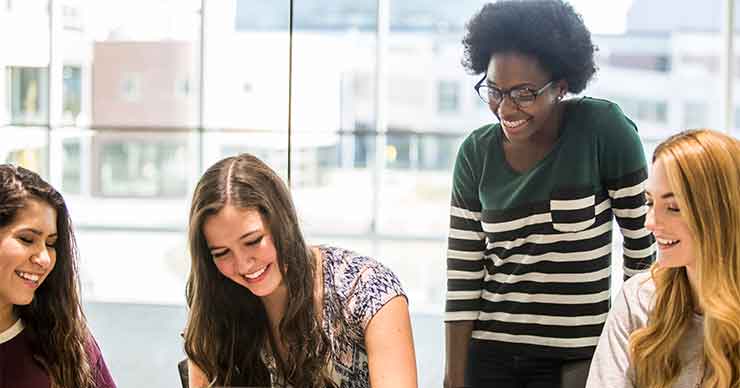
(23, 301)
(671, 263)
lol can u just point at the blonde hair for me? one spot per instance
(703, 169)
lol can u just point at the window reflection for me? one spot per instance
(71, 166)
(72, 94)
(141, 168)
(28, 94)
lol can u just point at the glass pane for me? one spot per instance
(333, 117)
(130, 211)
(29, 90)
(71, 94)
(448, 95)
(24, 28)
(129, 87)
(142, 168)
(145, 57)
(271, 147)
(25, 146)
(246, 68)
(71, 166)
(674, 61)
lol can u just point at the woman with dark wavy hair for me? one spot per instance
(534, 195)
(44, 340)
(267, 309)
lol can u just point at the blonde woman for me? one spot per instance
(679, 326)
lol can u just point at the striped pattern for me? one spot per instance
(541, 276)
(529, 254)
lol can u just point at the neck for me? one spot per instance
(275, 304)
(691, 273)
(548, 135)
(7, 317)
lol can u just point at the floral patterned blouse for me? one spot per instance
(355, 288)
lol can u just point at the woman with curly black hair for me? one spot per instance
(533, 198)
(44, 340)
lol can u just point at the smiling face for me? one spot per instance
(675, 241)
(243, 250)
(508, 71)
(27, 252)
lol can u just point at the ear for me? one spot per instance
(562, 86)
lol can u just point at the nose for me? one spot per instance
(42, 259)
(506, 105)
(244, 263)
(651, 223)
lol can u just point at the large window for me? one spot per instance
(365, 121)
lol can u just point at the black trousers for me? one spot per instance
(489, 368)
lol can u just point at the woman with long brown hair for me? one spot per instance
(44, 340)
(679, 325)
(267, 309)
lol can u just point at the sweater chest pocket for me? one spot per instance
(572, 213)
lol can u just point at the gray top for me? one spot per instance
(611, 366)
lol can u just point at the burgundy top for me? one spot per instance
(18, 369)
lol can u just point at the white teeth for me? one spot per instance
(28, 276)
(666, 242)
(513, 124)
(255, 275)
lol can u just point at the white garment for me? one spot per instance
(611, 365)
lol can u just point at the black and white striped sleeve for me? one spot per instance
(627, 195)
(624, 169)
(466, 241)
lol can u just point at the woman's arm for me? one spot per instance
(390, 347)
(457, 340)
(196, 377)
(466, 245)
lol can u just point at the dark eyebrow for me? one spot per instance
(517, 86)
(240, 238)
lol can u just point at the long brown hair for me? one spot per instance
(227, 327)
(703, 169)
(54, 320)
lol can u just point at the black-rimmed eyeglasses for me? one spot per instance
(521, 96)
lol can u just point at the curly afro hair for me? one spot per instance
(549, 30)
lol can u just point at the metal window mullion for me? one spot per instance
(381, 107)
(54, 92)
(290, 93)
(727, 65)
(201, 88)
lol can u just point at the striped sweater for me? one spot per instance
(529, 254)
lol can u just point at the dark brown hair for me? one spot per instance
(227, 327)
(54, 320)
